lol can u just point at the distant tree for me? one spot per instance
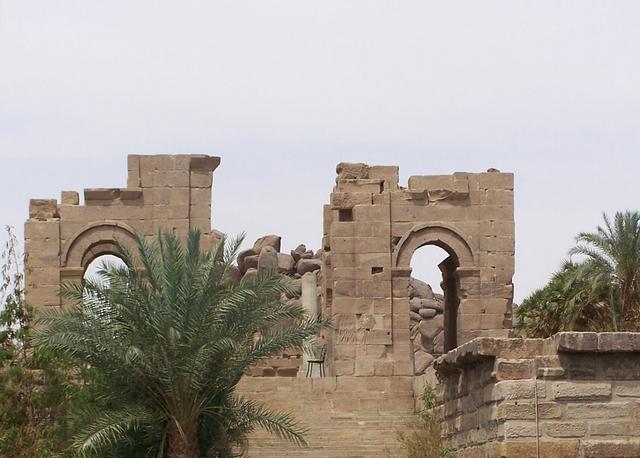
(172, 336)
(34, 392)
(598, 292)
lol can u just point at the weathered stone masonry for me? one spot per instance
(373, 226)
(575, 394)
(163, 192)
(572, 395)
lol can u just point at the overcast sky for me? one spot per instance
(284, 90)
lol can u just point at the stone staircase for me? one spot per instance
(346, 416)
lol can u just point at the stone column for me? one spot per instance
(311, 304)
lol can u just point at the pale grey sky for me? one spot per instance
(283, 90)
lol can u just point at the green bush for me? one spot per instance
(426, 442)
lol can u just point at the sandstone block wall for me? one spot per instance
(163, 192)
(372, 227)
(572, 395)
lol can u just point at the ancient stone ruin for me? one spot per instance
(575, 394)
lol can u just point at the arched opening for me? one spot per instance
(433, 301)
(94, 267)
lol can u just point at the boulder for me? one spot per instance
(418, 288)
(427, 313)
(250, 262)
(414, 316)
(286, 264)
(307, 255)
(308, 265)
(268, 240)
(438, 343)
(268, 258)
(318, 254)
(241, 258)
(249, 273)
(415, 304)
(431, 328)
(432, 304)
(421, 361)
(234, 276)
(297, 253)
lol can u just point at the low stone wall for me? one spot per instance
(572, 395)
(346, 416)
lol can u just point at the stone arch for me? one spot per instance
(95, 240)
(440, 235)
(460, 259)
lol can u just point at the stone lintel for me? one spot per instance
(204, 163)
(130, 193)
(101, 194)
(597, 342)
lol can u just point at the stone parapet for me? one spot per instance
(571, 395)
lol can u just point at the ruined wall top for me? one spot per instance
(164, 192)
(372, 228)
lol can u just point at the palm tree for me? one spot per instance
(568, 302)
(170, 337)
(612, 266)
(599, 292)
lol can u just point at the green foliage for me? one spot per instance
(599, 292)
(169, 336)
(427, 440)
(34, 392)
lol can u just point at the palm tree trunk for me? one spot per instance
(182, 444)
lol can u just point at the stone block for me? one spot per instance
(199, 211)
(373, 288)
(619, 342)
(70, 198)
(378, 337)
(514, 369)
(518, 429)
(352, 171)
(201, 179)
(515, 389)
(41, 230)
(597, 410)
(169, 179)
(548, 449)
(609, 448)
(204, 163)
(364, 367)
(581, 390)
(627, 389)
(42, 295)
(565, 428)
(360, 185)
(494, 180)
(496, 243)
(576, 341)
(342, 200)
(100, 194)
(383, 368)
(343, 367)
(371, 213)
(43, 209)
(610, 428)
(389, 175)
(526, 410)
(130, 194)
